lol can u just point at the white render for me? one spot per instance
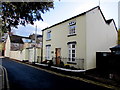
(99, 36)
(119, 15)
(93, 34)
(7, 47)
(32, 57)
(25, 54)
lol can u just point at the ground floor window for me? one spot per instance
(48, 52)
(72, 51)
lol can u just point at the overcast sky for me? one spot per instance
(65, 9)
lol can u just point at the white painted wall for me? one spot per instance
(31, 53)
(119, 15)
(59, 39)
(7, 47)
(92, 35)
(16, 55)
(99, 36)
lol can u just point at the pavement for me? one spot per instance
(22, 75)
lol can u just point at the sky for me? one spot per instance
(65, 9)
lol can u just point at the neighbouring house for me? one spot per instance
(34, 54)
(22, 48)
(35, 48)
(76, 40)
(16, 42)
(13, 46)
(38, 39)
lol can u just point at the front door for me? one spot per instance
(58, 54)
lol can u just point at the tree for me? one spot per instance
(15, 13)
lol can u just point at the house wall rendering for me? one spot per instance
(100, 36)
(34, 54)
(60, 38)
(76, 40)
(7, 47)
(119, 15)
(25, 53)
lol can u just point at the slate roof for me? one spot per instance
(17, 39)
(33, 36)
(39, 36)
(106, 21)
(115, 47)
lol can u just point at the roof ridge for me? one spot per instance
(72, 17)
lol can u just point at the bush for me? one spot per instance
(73, 68)
(44, 62)
(50, 63)
(61, 64)
(67, 66)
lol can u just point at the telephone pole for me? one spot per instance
(99, 3)
(35, 44)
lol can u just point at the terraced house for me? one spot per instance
(75, 41)
(23, 48)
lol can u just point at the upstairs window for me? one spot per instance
(72, 28)
(48, 35)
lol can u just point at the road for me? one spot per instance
(28, 78)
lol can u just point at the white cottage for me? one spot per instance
(22, 49)
(75, 41)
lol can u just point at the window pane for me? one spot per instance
(69, 46)
(69, 51)
(69, 55)
(73, 55)
(73, 46)
(69, 59)
(73, 51)
(72, 29)
(48, 35)
(73, 59)
(48, 52)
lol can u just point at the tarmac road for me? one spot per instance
(25, 77)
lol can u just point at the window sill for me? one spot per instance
(48, 40)
(71, 35)
(71, 62)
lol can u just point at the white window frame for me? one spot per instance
(71, 53)
(72, 28)
(48, 35)
(48, 52)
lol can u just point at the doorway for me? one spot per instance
(58, 54)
